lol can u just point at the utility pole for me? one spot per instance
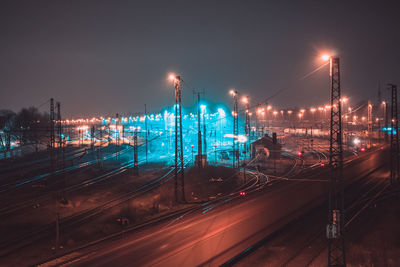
(385, 111)
(394, 137)
(145, 127)
(336, 249)
(135, 153)
(369, 119)
(52, 135)
(179, 168)
(378, 112)
(235, 114)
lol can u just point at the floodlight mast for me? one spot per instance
(336, 249)
(179, 167)
(235, 114)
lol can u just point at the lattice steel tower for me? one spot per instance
(369, 119)
(199, 138)
(394, 137)
(179, 168)
(336, 250)
(235, 115)
(247, 124)
(135, 153)
(52, 134)
(60, 137)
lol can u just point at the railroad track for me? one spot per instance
(8, 246)
(11, 186)
(317, 243)
(32, 166)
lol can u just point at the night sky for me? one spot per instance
(103, 57)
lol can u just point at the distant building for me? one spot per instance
(266, 148)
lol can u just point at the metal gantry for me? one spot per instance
(394, 137)
(179, 167)
(336, 249)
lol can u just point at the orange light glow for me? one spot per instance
(325, 57)
(172, 77)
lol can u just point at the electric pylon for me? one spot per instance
(179, 168)
(336, 250)
(394, 137)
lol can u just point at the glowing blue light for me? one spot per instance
(389, 130)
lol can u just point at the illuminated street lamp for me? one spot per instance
(300, 115)
(325, 57)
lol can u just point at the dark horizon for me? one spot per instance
(107, 57)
